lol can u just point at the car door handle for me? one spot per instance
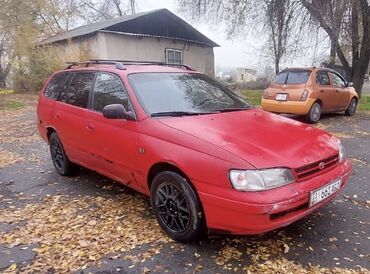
(336, 90)
(56, 116)
(322, 90)
(90, 127)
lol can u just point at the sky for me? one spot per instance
(239, 52)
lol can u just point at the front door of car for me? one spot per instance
(70, 116)
(326, 91)
(342, 93)
(113, 149)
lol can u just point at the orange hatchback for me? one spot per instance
(310, 92)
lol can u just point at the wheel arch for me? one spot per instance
(165, 166)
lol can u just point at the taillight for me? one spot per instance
(265, 93)
(304, 95)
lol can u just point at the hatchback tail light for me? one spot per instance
(304, 95)
(265, 93)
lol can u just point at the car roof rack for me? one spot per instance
(119, 65)
(135, 62)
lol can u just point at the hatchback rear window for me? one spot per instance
(292, 77)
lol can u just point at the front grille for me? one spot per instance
(319, 166)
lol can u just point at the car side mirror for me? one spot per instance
(117, 111)
(350, 84)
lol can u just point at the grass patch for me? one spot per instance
(364, 103)
(11, 105)
(252, 96)
(6, 91)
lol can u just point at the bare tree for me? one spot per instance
(281, 20)
(359, 17)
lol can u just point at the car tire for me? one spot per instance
(351, 109)
(177, 207)
(59, 158)
(313, 116)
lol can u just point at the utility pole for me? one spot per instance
(132, 2)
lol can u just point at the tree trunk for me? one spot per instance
(2, 80)
(277, 64)
(333, 55)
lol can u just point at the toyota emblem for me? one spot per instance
(321, 165)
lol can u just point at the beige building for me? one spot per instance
(157, 35)
(244, 75)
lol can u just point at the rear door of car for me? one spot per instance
(113, 142)
(70, 116)
(342, 93)
(325, 90)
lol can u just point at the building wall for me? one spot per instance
(79, 49)
(245, 75)
(105, 45)
(124, 47)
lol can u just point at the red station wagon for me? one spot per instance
(208, 160)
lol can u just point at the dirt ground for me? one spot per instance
(89, 223)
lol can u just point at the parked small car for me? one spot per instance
(207, 159)
(310, 92)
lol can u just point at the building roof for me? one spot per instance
(159, 23)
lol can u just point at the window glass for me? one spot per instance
(280, 78)
(78, 93)
(57, 85)
(174, 56)
(108, 89)
(298, 77)
(188, 92)
(322, 78)
(295, 77)
(338, 81)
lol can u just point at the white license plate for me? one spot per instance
(321, 194)
(281, 97)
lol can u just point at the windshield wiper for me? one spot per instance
(178, 113)
(232, 109)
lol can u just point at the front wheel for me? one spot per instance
(314, 114)
(351, 109)
(177, 207)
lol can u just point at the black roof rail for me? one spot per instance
(119, 65)
(133, 62)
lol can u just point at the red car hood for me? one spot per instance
(260, 138)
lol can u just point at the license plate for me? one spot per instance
(281, 97)
(321, 194)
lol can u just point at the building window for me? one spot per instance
(174, 56)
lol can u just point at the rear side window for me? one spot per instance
(322, 78)
(57, 85)
(108, 89)
(292, 77)
(79, 89)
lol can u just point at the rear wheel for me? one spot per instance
(351, 109)
(60, 159)
(177, 207)
(314, 114)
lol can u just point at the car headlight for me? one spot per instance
(257, 180)
(342, 153)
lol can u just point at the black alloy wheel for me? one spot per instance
(177, 207)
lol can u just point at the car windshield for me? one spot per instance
(295, 77)
(178, 94)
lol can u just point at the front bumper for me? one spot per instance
(239, 216)
(289, 107)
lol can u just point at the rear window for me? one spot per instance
(292, 77)
(56, 85)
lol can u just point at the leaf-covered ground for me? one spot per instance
(89, 223)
